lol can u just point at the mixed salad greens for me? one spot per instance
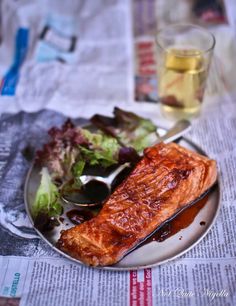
(128, 128)
(71, 149)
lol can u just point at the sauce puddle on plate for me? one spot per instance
(79, 216)
(181, 221)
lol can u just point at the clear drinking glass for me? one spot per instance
(184, 54)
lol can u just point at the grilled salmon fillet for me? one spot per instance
(167, 178)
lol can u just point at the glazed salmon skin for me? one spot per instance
(167, 179)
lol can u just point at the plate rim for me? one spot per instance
(113, 267)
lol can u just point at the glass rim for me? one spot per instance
(190, 25)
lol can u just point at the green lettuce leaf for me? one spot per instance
(77, 171)
(102, 150)
(47, 197)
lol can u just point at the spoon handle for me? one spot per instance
(114, 174)
(178, 130)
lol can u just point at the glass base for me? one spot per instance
(177, 113)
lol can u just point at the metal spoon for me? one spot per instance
(102, 183)
(178, 130)
(85, 179)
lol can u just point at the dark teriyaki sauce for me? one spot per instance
(79, 216)
(61, 219)
(96, 191)
(44, 223)
(93, 193)
(181, 221)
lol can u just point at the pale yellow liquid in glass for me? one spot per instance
(181, 82)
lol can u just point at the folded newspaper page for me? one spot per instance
(82, 49)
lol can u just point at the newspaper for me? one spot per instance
(78, 82)
(36, 275)
(81, 48)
